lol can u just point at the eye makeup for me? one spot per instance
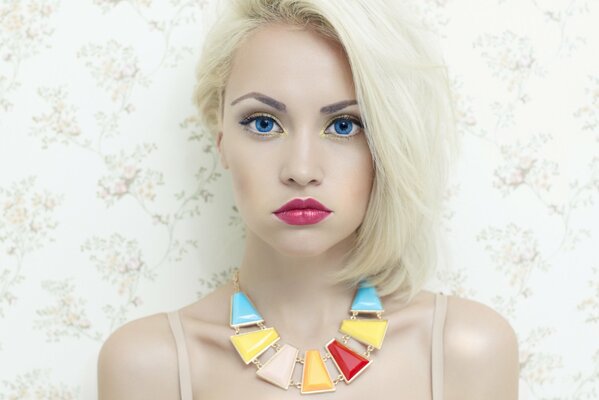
(252, 117)
(246, 121)
(352, 118)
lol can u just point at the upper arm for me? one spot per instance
(481, 353)
(138, 361)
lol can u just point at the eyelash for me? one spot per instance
(252, 117)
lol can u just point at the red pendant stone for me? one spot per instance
(348, 361)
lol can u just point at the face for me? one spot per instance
(291, 128)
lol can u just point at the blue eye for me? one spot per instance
(262, 125)
(344, 127)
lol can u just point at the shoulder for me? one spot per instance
(481, 352)
(139, 361)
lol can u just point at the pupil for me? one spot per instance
(343, 126)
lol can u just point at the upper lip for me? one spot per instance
(299, 204)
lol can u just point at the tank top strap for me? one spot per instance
(437, 345)
(174, 320)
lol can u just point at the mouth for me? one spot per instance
(302, 212)
(299, 204)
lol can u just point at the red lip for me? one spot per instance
(302, 212)
(299, 204)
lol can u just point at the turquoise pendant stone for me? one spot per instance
(367, 299)
(243, 311)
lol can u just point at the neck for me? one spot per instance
(294, 293)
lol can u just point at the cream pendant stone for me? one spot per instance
(279, 368)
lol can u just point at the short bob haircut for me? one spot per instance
(403, 92)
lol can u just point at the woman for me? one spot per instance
(334, 120)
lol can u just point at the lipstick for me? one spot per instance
(302, 212)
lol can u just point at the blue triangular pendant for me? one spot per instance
(366, 299)
(243, 311)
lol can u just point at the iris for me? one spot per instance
(264, 124)
(343, 126)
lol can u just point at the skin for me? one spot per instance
(283, 266)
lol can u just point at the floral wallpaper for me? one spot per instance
(110, 190)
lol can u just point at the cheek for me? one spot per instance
(242, 177)
(363, 183)
(248, 174)
(355, 176)
(362, 172)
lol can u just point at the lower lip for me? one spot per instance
(304, 216)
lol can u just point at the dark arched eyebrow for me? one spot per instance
(269, 101)
(331, 108)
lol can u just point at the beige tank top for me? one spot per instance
(436, 350)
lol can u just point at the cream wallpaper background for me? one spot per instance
(110, 192)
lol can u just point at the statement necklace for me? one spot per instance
(278, 369)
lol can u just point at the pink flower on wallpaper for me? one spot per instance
(27, 216)
(522, 167)
(129, 171)
(114, 67)
(59, 124)
(126, 177)
(512, 58)
(25, 28)
(66, 315)
(119, 261)
(120, 188)
(514, 251)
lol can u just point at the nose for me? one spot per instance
(302, 156)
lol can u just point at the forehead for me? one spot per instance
(289, 61)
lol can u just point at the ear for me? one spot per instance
(219, 146)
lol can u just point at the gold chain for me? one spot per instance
(236, 280)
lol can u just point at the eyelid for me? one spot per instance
(351, 117)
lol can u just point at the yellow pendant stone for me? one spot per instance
(250, 345)
(368, 331)
(315, 377)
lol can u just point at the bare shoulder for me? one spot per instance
(481, 352)
(139, 361)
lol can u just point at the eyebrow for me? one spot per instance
(331, 108)
(328, 109)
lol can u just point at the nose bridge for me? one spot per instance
(302, 158)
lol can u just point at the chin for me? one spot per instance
(301, 248)
(310, 245)
(299, 253)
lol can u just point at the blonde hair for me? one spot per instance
(404, 97)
